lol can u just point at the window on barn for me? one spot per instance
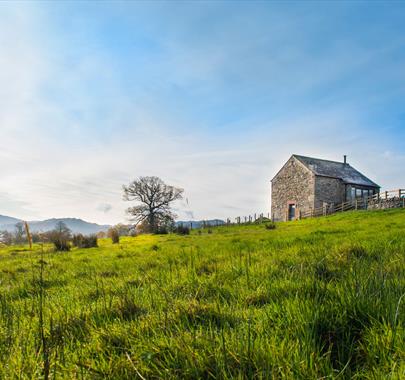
(356, 192)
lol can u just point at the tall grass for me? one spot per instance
(321, 298)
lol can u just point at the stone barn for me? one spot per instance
(305, 183)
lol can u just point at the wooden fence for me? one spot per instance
(385, 199)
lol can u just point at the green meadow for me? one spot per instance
(312, 299)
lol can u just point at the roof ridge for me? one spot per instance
(321, 159)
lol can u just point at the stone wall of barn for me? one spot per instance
(293, 184)
(328, 190)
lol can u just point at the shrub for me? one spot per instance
(181, 230)
(114, 235)
(82, 241)
(60, 237)
(36, 237)
(270, 226)
(90, 241)
(162, 230)
(6, 238)
(61, 245)
(262, 219)
(77, 240)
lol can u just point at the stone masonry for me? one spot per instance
(328, 190)
(293, 183)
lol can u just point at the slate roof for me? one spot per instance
(335, 169)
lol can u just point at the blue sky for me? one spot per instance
(210, 96)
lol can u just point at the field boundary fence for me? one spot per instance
(382, 200)
(257, 218)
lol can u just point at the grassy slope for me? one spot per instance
(312, 298)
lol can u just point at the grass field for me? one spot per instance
(318, 298)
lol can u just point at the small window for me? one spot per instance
(359, 193)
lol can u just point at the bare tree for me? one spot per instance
(63, 230)
(154, 198)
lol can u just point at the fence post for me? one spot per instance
(356, 204)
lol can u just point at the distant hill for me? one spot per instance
(75, 225)
(200, 223)
(4, 220)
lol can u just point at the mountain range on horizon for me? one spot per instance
(7, 223)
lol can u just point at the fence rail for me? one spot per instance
(385, 199)
(399, 193)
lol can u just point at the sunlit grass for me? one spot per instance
(309, 299)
